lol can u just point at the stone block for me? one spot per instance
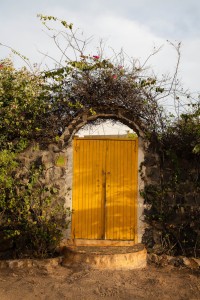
(150, 160)
(4, 264)
(191, 263)
(54, 148)
(153, 174)
(61, 161)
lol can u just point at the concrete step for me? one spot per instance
(112, 258)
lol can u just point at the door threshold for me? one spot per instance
(103, 243)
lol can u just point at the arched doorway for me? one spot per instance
(104, 187)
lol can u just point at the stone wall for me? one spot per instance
(180, 178)
(172, 199)
(168, 193)
(53, 159)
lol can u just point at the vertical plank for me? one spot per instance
(128, 190)
(76, 189)
(86, 220)
(87, 189)
(121, 190)
(103, 144)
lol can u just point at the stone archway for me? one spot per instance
(85, 117)
(74, 127)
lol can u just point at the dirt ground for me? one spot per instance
(81, 282)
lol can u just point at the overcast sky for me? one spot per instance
(135, 25)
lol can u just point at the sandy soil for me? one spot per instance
(81, 282)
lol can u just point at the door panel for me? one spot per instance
(104, 189)
(88, 192)
(121, 190)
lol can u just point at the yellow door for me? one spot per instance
(104, 189)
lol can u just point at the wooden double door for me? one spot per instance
(104, 188)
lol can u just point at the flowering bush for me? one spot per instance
(28, 221)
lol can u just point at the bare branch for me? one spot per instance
(24, 58)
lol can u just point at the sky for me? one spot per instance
(136, 26)
(106, 127)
